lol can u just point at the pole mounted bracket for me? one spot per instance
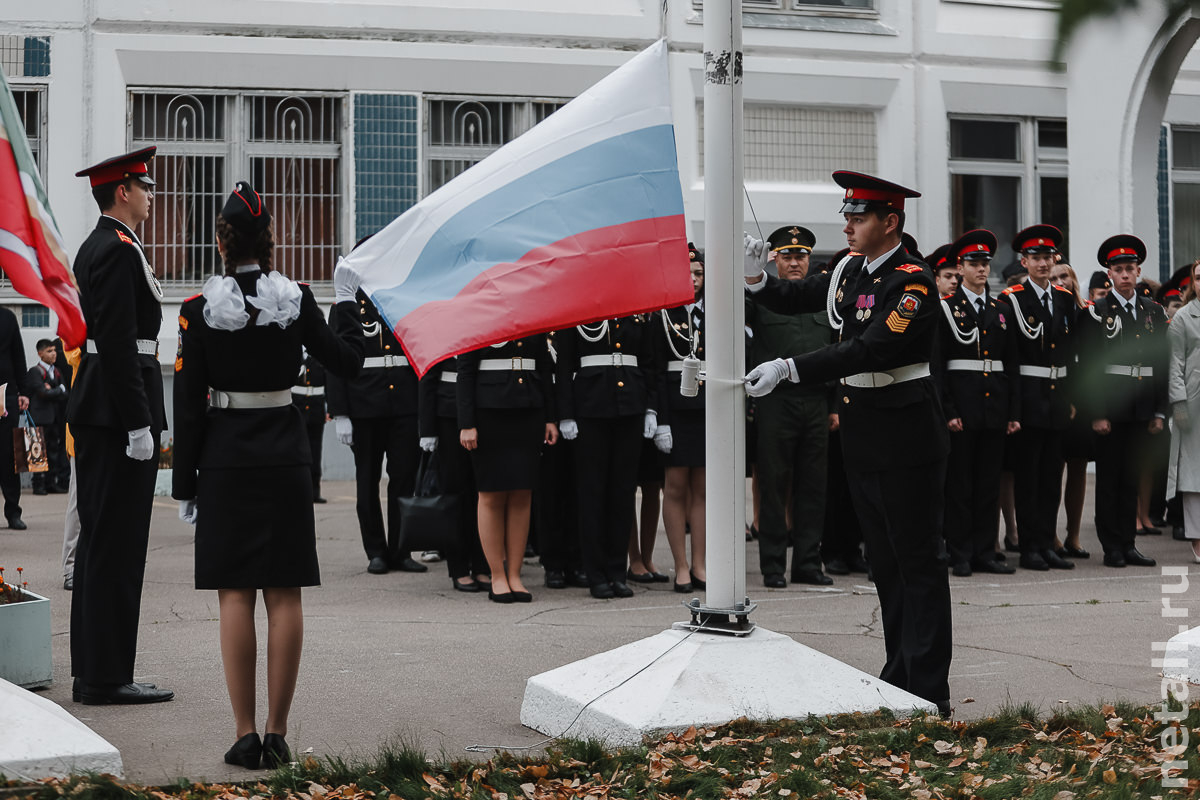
(734, 621)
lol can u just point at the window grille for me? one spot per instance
(25, 56)
(812, 7)
(35, 316)
(31, 107)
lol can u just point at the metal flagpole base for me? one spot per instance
(733, 621)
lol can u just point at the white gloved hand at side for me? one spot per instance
(344, 429)
(766, 376)
(755, 259)
(141, 444)
(187, 511)
(663, 439)
(428, 443)
(569, 429)
(345, 282)
(651, 424)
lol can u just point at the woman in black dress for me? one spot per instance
(242, 459)
(505, 414)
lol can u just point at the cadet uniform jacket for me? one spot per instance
(437, 395)
(681, 325)
(1044, 342)
(256, 358)
(987, 398)
(515, 387)
(389, 390)
(888, 319)
(117, 387)
(12, 362)
(1124, 361)
(312, 406)
(619, 388)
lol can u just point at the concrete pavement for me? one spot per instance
(404, 657)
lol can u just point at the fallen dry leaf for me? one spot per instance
(958, 762)
(968, 700)
(980, 746)
(1109, 775)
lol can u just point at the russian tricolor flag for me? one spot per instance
(580, 219)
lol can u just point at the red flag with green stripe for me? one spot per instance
(32, 254)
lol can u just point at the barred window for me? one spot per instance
(288, 146)
(31, 106)
(822, 7)
(35, 316)
(797, 144)
(461, 131)
(25, 56)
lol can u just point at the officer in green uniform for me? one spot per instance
(793, 428)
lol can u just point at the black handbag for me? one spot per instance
(429, 520)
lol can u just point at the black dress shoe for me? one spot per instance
(658, 577)
(377, 566)
(1135, 559)
(836, 566)
(522, 597)
(275, 752)
(991, 565)
(621, 589)
(16, 523)
(1033, 561)
(1149, 532)
(812, 577)
(774, 580)
(1070, 551)
(408, 565)
(603, 591)
(319, 499)
(118, 694)
(639, 577)
(69, 583)
(683, 588)
(578, 578)
(1177, 534)
(1114, 560)
(961, 569)
(40, 490)
(699, 584)
(54, 488)
(503, 597)
(470, 586)
(944, 709)
(1011, 547)
(1056, 561)
(857, 563)
(999, 556)
(246, 752)
(556, 579)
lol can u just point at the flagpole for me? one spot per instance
(724, 313)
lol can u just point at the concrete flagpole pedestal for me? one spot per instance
(45, 741)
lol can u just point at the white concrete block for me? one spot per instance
(700, 679)
(1181, 658)
(46, 741)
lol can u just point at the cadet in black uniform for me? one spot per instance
(607, 397)
(505, 414)
(12, 369)
(376, 414)
(1124, 357)
(116, 415)
(308, 395)
(1045, 316)
(241, 466)
(976, 366)
(894, 435)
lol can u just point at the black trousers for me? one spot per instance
(843, 535)
(899, 511)
(115, 501)
(973, 494)
(606, 460)
(555, 515)
(10, 481)
(316, 442)
(1120, 457)
(465, 557)
(374, 438)
(1037, 485)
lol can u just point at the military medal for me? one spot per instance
(839, 295)
(864, 303)
(1031, 320)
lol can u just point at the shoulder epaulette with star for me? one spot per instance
(123, 237)
(910, 268)
(948, 296)
(1063, 289)
(1016, 287)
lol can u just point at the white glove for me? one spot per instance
(344, 429)
(755, 257)
(345, 282)
(141, 445)
(187, 511)
(429, 443)
(766, 376)
(663, 439)
(568, 429)
(651, 424)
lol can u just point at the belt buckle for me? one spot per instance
(618, 359)
(987, 365)
(516, 363)
(1135, 371)
(390, 361)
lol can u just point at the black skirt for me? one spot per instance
(650, 464)
(510, 448)
(254, 528)
(687, 434)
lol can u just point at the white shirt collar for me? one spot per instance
(1129, 305)
(870, 266)
(48, 367)
(251, 267)
(1039, 291)
(972, 297)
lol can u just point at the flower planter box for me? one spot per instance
(25, 642)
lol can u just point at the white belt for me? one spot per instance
(608, 360)
(876, 380)
(449, 377)
(677, 366)
(309, 391)
(384, 361)
(147, 347)
(1134, 371)
(1053, 373)
(974, 365)
(515, 364)
(220, 399)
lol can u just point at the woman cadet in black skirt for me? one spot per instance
(241, 462)
(505, 414)
(683, 437)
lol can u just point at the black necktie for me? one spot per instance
(979, 306)
(1046, 302)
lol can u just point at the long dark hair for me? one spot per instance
(241, 248)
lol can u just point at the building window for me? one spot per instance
(386, 159)
(288, 146)
(35, 316)
(820, 7)
(25, 56)
(795, 144)
(1006, 174)
(31, 107)
(461, 131)
(1185, 200)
